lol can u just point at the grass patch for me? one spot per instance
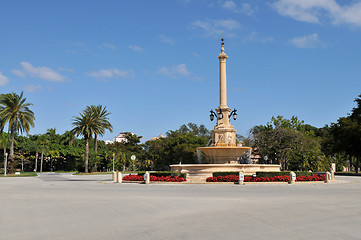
(93, 173)
(22, 174)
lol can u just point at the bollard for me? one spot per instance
(328, 177)
(240, 178)
(292, 178)
(119, 177)
(114, 176)
(333, 170)
(147, 177)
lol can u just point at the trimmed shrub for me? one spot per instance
(283, 173)
(216, 174)
(165, 174)
(348, 174)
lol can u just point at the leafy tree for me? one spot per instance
(290, 142)
(15, 112)
(4, 141)
(124, 150)
(200, 131)
(178, 146)
(346, 134)
(68, 138)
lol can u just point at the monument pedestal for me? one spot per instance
(198, 173)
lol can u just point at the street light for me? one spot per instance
(219, 116)
(133, 157)
(113, 162)
(234, 113)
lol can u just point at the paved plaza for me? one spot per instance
(63, 206)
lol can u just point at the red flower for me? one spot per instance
(154, 178)
(285, 178)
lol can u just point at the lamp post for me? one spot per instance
(5, 163)
(133, 157)
(113, 162)
(220, 114)
(234, 113)
(265, 159)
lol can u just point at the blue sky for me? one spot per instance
(154, 64)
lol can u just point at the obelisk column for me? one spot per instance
(223, 133)
(222, 79)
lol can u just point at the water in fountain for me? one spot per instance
(199, 156)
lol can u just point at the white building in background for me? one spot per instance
(122, 137)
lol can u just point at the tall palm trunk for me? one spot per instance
(41, 160)
(11, 155)
(86, 157)
(95, 150)
(36, 161)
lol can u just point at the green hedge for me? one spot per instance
(223, 174)
(348, 174)
(165, 174)
(282, 173)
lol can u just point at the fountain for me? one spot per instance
(224, 154)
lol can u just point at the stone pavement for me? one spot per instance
(62, 206)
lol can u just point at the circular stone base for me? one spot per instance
(200, 172)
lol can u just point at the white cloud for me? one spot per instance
(3, 80)
(309, 41)
(175, 71)
(109, 45)
(110, 73)
(317, 11)
(229, 5)
(18, 73)
(217, 27)
(165, 39)
(32, 88)
(256, 37)
(135, 48)
(44, 73)
(245, 8)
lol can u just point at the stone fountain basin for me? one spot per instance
(224, 154)
(198, 173)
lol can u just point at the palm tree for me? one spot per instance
(100, 114)
(86, 125)
(16, 113)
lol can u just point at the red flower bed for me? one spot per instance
(133, 178)
(166, 179)
(286, 178)
(315, 177)
(153, 178)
